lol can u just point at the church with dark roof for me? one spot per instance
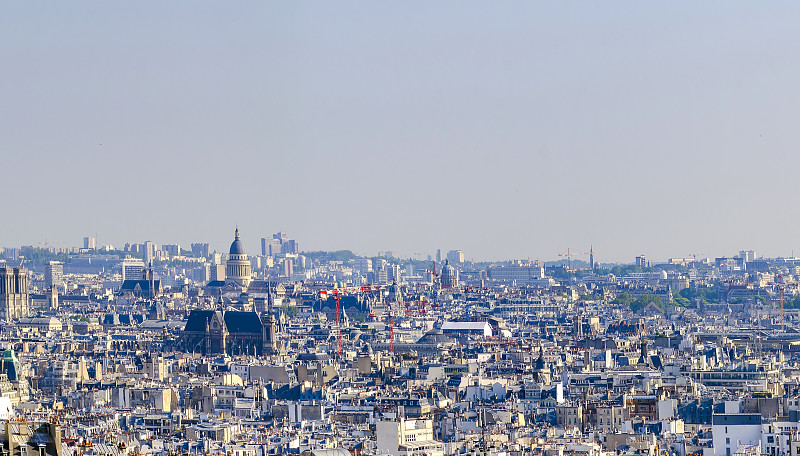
(232, 332)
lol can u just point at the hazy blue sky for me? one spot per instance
(508, 130)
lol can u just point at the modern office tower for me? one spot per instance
(362, 265)
(290, 246)
(149, 251)
(270, 246)
(237, 268)
(172, 250)
(200, 249)
(747, 255)
(288, 267)
(216, 272)
(394, 271)
(455, 256)
(132, 269)
(280, 243)
(54, 274)
(89, 243)
(382, 276)
(13, 293)
(641, 261)
(132, 248)
(201, 273)
(438, 255)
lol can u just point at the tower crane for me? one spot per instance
(782, 286)
(569, 253)
(336, 293)
(433, 272)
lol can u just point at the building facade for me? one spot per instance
(228, 332)
(54, 274)
(13, 293)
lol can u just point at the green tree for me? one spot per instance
(289, 311)
(705, 295)
(623, 299)
(679, 300)
(644, 300)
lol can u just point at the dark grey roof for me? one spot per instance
(434, 337)
(235, 321)
(198, 320)
(144, 285)
(733, 419)
(313, 357)
(237, 248)
(239, 322)
(123, 319)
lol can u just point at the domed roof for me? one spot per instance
(237, 248)
(448, 268)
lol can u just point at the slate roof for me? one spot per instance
(144, 285)
(239, 322)
(237, 248)
(123, 319)
(198, 319)
(235, 321)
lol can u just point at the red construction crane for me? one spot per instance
(781, 286)
(416, 306)
(336, 294)
(433, 272)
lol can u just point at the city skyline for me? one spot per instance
(508, 132)
(577, 255)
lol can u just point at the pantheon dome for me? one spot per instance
(237, 269)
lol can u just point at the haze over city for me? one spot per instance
(440, 228)
(507, 131)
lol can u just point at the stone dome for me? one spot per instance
(238, 268)
(237, 248)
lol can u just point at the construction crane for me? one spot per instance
(433, 272)
(569, 253)
(47, 244)
(336, 293)
(415, 306)
(781, 286)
